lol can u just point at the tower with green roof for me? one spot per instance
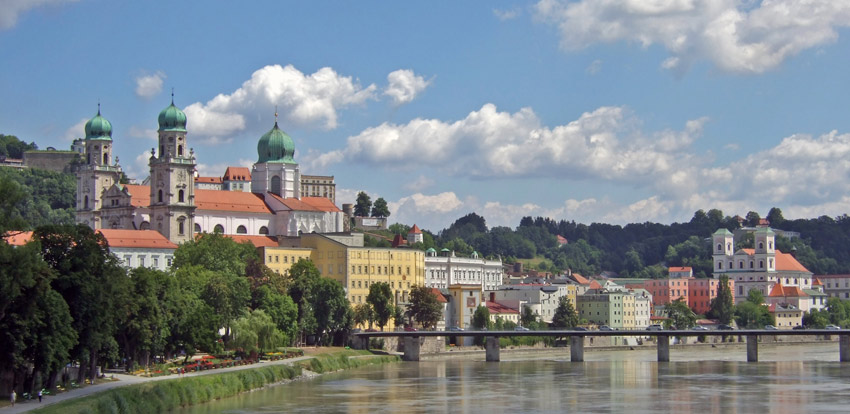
(98, 173)
(276, 170)
(172, 167)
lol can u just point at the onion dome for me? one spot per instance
(98, 127)
(172, 118)
(276, 146)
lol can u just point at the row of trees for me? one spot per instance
(364, 207)
(12, 147)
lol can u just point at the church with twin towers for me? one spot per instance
(272, 198)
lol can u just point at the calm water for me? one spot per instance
(696, 381)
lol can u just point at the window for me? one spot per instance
(719, 247)
(218, 229)
(264, 230)
(159, 196)
(241, 230)
(275, 187)
(180, 197)
(761, 245)
(179, 150)
(180, 227)
(86, 203)
(197, 228)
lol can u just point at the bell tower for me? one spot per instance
(172, 166)
(98, 173)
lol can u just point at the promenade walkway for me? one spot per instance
(122, 380)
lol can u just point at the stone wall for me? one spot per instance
(59, 161)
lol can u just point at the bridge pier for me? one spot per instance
(752, 348)
(844, 348)
(577, 348)
(663, 344)
(491, 347)
(411, 348)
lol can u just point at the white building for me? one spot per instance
(140, 248)
(447, 269)
(541, 299)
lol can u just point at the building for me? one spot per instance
(541, 299)
(760, 268)
(415, 235)
(835, 286)
(787, 316)
(696, 293)
(178, 205)
(680, 272)
(463, 300)
(505, 313)
(319, 186)
(448, 269)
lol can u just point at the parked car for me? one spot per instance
(605, 328)
(456, 329)
(770, 327)
(410, 329)
(699, 328)
(520, 328)
(724, 327)
(579, 328)
(655, 327)
(799, 327)
(833, 327)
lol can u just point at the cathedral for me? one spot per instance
(174, 205)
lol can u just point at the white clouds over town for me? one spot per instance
(12, 9)
(733, 35)
(404, 86)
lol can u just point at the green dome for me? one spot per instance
(98, 127)
(275, 146)
(172, 119)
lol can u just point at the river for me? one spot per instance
(787, 379)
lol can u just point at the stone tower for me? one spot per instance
(276, 170)
(172, 205)
(98, 173)
(723, 250)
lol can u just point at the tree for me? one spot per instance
(680, 315)
(381, 299)
(749, 314)
(280, 308)
(722, 306)
(480, 318)
(752, 219)
(256, 332)
(380, 208)
(216, 252)
(755, 296)
(424, 307)
(363, 206)
(774, 216)
(565, 314)
(363, 313)
(305, 276)
(331, 309)
(528, 318)
(146, 326)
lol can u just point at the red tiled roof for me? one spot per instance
(140, 195)
(785, 291)
(816, 282)
(415, 230)
(16, 238)
(149, 239)
(562, 239)
(679, 269)
(257, 241)
(595, 285)
(307, 203)
(580, 279)
(498, 308)
(440, 297)
(237, 174)
(208, 180)
(784, 261)
(240, 201)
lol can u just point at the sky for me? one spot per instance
(613, 111)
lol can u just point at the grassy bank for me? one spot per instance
(160, 396)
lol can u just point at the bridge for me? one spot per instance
(662, 338)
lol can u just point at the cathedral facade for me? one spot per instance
(172, 205)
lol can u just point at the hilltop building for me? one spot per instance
(446, 269)
(267, 200)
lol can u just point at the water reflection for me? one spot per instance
(711, 382)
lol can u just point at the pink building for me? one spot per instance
(697, 293)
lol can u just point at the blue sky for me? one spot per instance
(596, 110)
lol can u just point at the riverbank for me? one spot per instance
(153, 395)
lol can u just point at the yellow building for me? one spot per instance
(281, 259)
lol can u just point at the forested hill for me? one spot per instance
(643, 250)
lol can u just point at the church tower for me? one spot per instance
(98, 173)
(765, 249)
(723, 249)
(172, 205)
(276, 170)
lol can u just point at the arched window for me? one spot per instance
(86, 203)
(88, 158)
(740, 265)
(180, 196)
(719, 247)
(264, 230)
(761, 245)
(276, 185)
(197, 228)
(161, 151)
(181, 225)
(719, 265)
(106, 158)
(159, 196)
(218, 229)
(241, 230)
(761, 264)
(145, 226)
(179, 150)
(751, 264)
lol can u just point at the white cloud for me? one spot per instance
(144, 133)
(420, 183)
(303, 100)
(148, 86)
(594, 67)
(404, 86)
(735, 36)
(78, 130)
(604, 144)
(11, 9)
(139, 169)
(504, 15)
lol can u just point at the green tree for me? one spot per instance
(679, 315)
(774, 216)
(93, 285)
(331, 309)
(755, 296)
(752, 219)
(424, 306)
(816, 319)
(480, 318)
(256, 332)
(380, 208)
(363, 315)
(381, 299)
(147, 322)
(528, 317)
(363, 205)
(280, 308)
(722, 306)
(216, 252)
(752, 315)
(565, 314)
